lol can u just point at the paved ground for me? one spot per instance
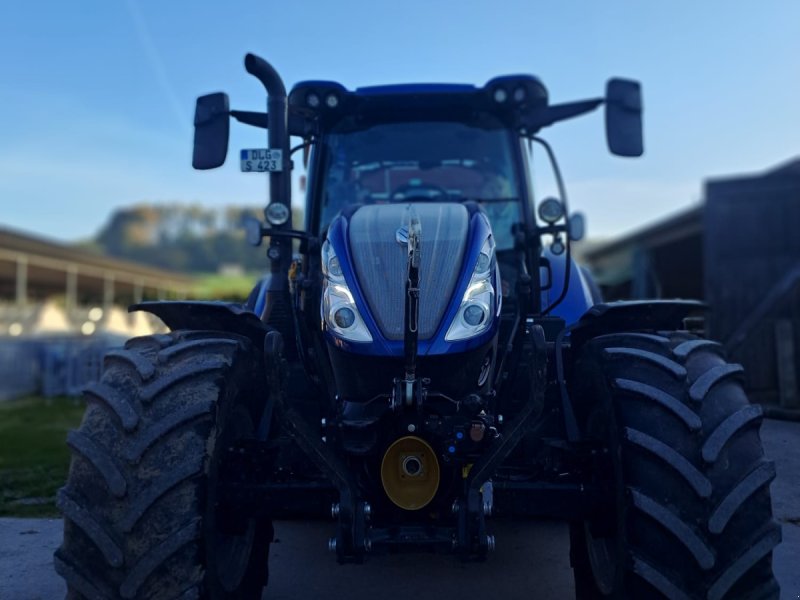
(531, 560)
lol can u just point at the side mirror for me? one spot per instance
(576, 227)
(211, 130)
(253, 230)
(624, 117)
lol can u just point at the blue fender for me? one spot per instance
(580, 296)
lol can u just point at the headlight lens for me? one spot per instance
(334, 268)
(475, 313)
(330, 264)
(277, 213)
(551, 210)
(338, 308)
(344, 317)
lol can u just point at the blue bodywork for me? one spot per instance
(419, 98)
(415, 88)
(579, 295)
(576, 303)
(479, 230)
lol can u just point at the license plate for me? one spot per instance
(261, 160)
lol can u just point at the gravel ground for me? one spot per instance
(532, 558)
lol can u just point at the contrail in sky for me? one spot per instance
(156, 63)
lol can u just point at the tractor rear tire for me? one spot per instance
(139, 502)
(690, 515)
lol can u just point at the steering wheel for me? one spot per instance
(425, 191)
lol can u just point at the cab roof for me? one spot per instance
(326, 103)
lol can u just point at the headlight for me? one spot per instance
(475, 314)
(312, 100)
(277, 213)
(332, 100)
(338, 308)
(551, 210)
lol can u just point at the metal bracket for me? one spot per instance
(472, 537)
(351, 541)
(518, 427)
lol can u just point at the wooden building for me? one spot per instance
(33, 269)
(739, 251)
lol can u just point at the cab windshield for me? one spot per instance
(422, 161)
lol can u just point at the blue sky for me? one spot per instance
(97, 95)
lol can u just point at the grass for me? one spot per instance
(34, 457)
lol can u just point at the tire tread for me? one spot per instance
(156, 556)
(669, 402)
(84, 520)
(136, 495)
(762, 475)
(699, 482)
(84, 445)
(119, 404)
(168, 481)
(696, 504)
(663, 362)
(702, 386)
(752, 555)
(141, 365)
(681, 530)
(725, 431)
(658, 580)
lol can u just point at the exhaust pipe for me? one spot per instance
(280, 187)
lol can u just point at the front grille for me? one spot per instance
(380, 261)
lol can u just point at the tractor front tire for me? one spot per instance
(140, 502)
(690, 513)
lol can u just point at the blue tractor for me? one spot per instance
(423, 354)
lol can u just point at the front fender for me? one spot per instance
(637, 315)
(207, 316)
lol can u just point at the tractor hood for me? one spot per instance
(369, 249)
(378, 235)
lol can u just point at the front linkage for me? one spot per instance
(355, 536)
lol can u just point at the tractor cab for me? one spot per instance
(422, 259)
(418, 144)
(382, 163)
(442, 163)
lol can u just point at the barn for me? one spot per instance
(739, 251)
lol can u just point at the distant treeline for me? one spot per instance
(181, 237)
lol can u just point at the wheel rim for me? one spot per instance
(232, 552)
(232, 556)
(604, 552)
(603, 560)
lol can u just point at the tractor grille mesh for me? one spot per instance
(380, 261)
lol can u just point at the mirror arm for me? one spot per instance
(550, 229)
(308, 242)
(559, 112)
(248, 117)
(298, 126)
(289, 233)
